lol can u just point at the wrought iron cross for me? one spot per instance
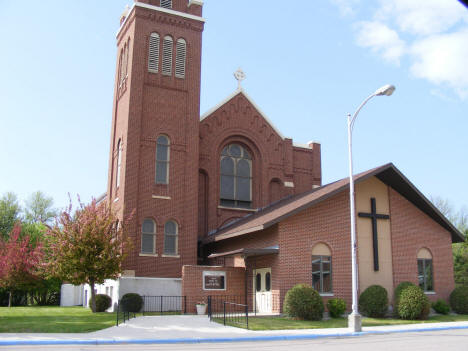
(374, 216)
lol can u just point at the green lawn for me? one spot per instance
(53, 320)
(279, 323)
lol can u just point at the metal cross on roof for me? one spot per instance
(240, 76)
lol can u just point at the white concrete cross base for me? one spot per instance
(355, 322)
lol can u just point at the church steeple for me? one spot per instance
(153, 164)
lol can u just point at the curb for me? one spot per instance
(216, 340)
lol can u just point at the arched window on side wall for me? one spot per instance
(236, 177)
(322, 268)
(171, 232)
(148, 236)
(119, 163)
(162, 160)
(425, 273)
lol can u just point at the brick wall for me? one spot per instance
(411, 231)
(192, 285)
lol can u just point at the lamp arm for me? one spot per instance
(353, 119)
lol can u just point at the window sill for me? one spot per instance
(327, 294)
(161, 197)
(173, 256)
(238, 209)
(430, 292)
(147, 255)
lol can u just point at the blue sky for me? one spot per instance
(308, 64)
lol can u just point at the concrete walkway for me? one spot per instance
(190, 329)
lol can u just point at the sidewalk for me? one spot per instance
(198, 329)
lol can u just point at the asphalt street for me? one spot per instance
(445, 340)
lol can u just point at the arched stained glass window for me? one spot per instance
(236, 177)
(162, 160)
(170, 238)
(148, 236)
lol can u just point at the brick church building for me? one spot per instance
(223, 203)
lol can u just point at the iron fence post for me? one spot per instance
(185, 304)
(224, 312)
(160, 306)
(247, 315)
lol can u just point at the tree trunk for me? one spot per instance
(93, 297)
(10, 298)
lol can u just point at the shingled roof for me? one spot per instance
(270, 215)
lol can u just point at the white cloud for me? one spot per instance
(422, 17)
(346, 7)
(442, 59)
(381, 40)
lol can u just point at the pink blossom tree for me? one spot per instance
(88, 246)
(20, 261)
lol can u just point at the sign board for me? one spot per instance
(214, 280)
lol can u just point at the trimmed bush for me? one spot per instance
(396, 296)
(459, 300)
(131, 302)
(303, 302)
(440, 306)
(413, 303)
(373, 302)
(336, 307)
(103, 302)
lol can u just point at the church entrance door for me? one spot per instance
(262, 288)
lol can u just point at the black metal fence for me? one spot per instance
(164, 304)
(123, 315)
(229, 309)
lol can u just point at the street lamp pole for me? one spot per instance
(354, 319)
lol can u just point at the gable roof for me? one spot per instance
(388, 174)
(252, 102)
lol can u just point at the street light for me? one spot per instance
(354, 319)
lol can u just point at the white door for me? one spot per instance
(262, 288)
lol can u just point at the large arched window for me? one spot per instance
(153, 55)
(162, 160)
(425, 275)
(181, 53)
(321, 268)
(119, 162)
(148, 237)
(167, 56)
(236, 177)
(170, 238)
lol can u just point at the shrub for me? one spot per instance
(413, 303)
(373, 302)
(303, 302)
(440, 306)
(336, 307)
(131, 302)
(459, 300)
(396, 296)
(103, 302)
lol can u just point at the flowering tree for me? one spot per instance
(20, 261)
(88, 246)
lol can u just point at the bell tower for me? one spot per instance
(153, 163)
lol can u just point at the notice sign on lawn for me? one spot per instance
(213, 280)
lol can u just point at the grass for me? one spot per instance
(53, 320)
(281, 323)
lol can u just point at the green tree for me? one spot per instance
(10, 211)
(88, 246)
(39, 208)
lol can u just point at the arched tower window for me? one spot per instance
(170, 238)
(321, 268)
(167, 56)
(153, 55)
(148, 236)
(166, 4)
(236, 177)
(162, 160)
(181, 53)
(119, 162)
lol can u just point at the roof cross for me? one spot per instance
(240, 76)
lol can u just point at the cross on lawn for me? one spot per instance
(374, 216)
